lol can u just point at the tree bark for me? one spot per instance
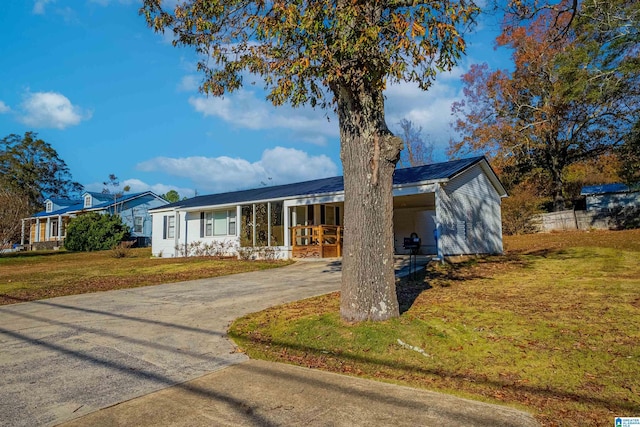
(556, 166)
(369, 154)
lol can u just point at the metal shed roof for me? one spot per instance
(604, 189)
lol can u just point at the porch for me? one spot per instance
(320, 241)
(44, 233)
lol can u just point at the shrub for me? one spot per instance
(251, 253)
(216, 248)
(519, 209)
(122, 249)
(95, 232)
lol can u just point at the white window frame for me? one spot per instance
(213, 227)
(49, 206)
(87, 201)
(170, 231)
(232, 227)
(53, 228)
(137, 219)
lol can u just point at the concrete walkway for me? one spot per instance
(258, 393)
(155, 349)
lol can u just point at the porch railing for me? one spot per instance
(316, 241)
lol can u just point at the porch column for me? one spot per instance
(254, 225)
(238, 221)
(176, 233)
(268, 223)
(186, 232)
(287, 224)
(59, 227)
(37, 230)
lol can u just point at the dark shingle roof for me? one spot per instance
(432, 172)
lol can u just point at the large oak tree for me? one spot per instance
(573, 93)
(336, 54)
(30, 171)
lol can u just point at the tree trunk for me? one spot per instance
(556, 165)
(369, 154)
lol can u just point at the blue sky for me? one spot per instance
(111, 96)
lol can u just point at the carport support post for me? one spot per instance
(438, 230)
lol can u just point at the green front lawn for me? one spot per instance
(28, 276)
(551, 327)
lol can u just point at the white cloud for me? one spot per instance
(219, 174)
(4, 108)
(430, 110)
(244, 109)
(139, 186)
(39, 6)
(51, 110)
(189, 83)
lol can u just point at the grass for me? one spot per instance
(28, 276)
(551, 327)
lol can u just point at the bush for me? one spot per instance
(95, 232)
(122, 249)
(218, 249)
(264, 253)
(519, 209)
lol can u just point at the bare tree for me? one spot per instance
(13, 207)
(417, 151)
(112, 186)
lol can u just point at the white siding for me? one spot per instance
(160, 245)
(469, 215)
(187, 234)
(192, 235)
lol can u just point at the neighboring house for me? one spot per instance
(49, 227)
(460, 201)
(610, 197)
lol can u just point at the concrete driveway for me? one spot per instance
(66, 357)
(154, 356)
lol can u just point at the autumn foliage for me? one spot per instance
(572, 97)
(334, 54)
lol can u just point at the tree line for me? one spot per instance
(30, 172)
(567, 114)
